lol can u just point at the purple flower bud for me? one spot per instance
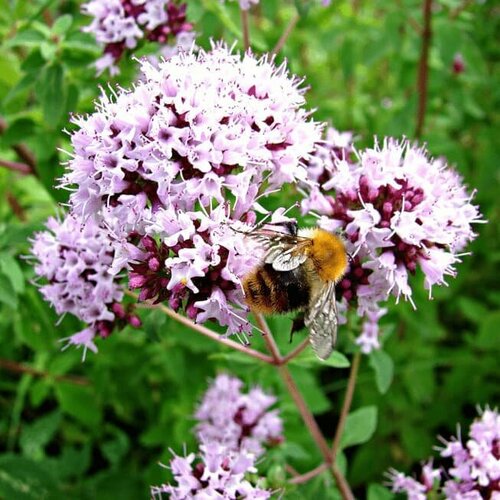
(134, 321)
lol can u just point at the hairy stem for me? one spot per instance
(245, 29)
(205, 331)
(284, 37)
(351, 384)
(423, 69)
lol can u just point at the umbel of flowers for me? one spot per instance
(473, 471)
(119, 25)
(74, 260)
(169, 169)
(232, 429)
(399, 211)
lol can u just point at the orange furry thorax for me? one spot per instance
(327, 252)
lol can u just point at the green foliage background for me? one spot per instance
(98, 429)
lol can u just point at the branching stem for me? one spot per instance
(205, 331)
(304, 411)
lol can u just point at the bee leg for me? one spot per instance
(297, 325)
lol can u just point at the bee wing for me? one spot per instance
(321, 319)
(285, 260)
(285, 252)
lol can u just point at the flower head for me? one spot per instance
(238, 421)
(74, 260)
(215, 472)
(475, 469)
(399, 211)
(119, 25)
(175, 167)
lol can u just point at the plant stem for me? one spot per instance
(22, 151)
(304, 411)
(423, 69)
(284, 37)
(245, 29)
(16, 207)
(351, 384)
(303, 478)
(22, 168)
(14, 367)
(295, 352)
(205, 331)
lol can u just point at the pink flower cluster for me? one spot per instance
(399, 211)
(74, 260)
(172, 169)
(119, 25)
(232, 430)
(236, 420)
(475, 470)
(215, 472)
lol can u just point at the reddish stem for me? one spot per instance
(284, 37)
(245, 29)
(205, 331)
(22, 168)
(351, 384)
(423, 69)
(14, 367)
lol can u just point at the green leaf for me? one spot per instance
(11, 269)
(52, 93)
(115, 449)
(79, 402)
(7, 293)
(488, 336)
(359, 427)
(378, 492)
(235, 356)
(62, 24)
(36, 435)
(48, 50)
(27, 38)
(20, 129)
(383, 366)
(25, 479)
(308, 359)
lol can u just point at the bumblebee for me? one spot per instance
(298, 273)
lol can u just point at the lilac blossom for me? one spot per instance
(399, 211)
(74, 260)
(176, 166)
(214, 472)
(474, 472)
(236, 420)
(119, 25)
